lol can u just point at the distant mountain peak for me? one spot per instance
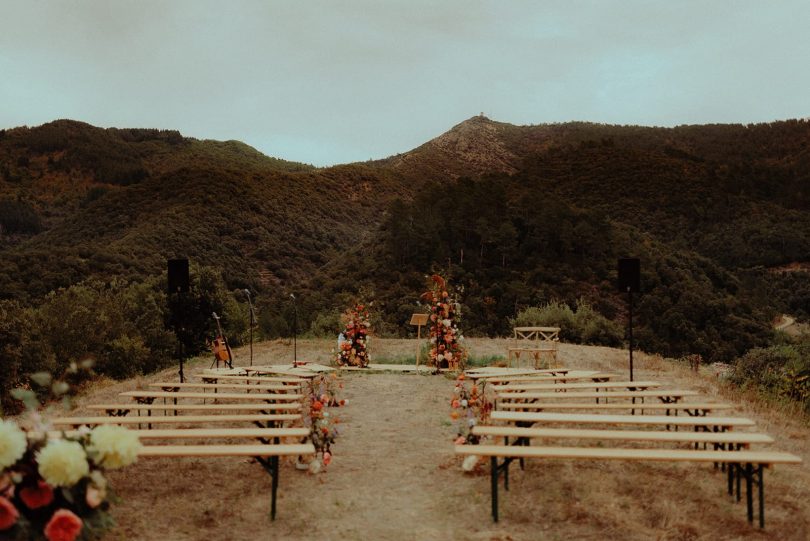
(477, 142)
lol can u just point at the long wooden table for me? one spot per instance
(174, 419)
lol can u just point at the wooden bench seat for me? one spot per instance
(183, 433)
(151, 395)
(541, 378)
(171, 387)
(265, 454)
(724, 423)
(163, 419)
(700, 408)
(123, 409)
(206, 378)
(744, 439)
(629, 385)
(487, 372)
(672, 395)
(742, 464)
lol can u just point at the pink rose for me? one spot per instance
(8, 514)
(37, 496)
(63, 526)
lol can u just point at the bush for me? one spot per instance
(124, 357)
(553, 314)
(777, 372)
(325, 324)
(585, 326)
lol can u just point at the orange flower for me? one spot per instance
(37, 496)
(63, 526)
(317, 406)
(8, 514)
(461, 377)
(454, 415)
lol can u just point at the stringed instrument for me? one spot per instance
(220, 347)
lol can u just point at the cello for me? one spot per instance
(220, 347)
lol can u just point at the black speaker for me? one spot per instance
(629, 274)
(178, 276)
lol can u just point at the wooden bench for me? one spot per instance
(716, 423)
(742, 464)
(743, 439)
(539, 342)
(628, 385)
(668, 396)
(209, 378)
(174, 387)
(693, 408)
(492, 371)
(185, 433)
(265, 454)
(541, 378)
(149, 396)
(256, 419)
(124, 409)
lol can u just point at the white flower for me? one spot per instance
(464, 403)
(13, 443)
(470, 462)
(114, 446)
(63, 463)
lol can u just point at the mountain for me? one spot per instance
(518, 216)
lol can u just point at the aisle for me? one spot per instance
(394, 439)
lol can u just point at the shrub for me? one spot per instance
(585, 326)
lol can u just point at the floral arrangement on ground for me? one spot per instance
(470, 405)
(323, 394)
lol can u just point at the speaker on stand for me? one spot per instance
(178, 284)
(630, 281)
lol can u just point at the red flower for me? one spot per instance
(317, 406)
(8, 514)
(63, 526)
(37, 496)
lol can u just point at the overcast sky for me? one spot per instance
(327, 82)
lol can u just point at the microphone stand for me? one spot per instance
(252, 324)
(295, 331)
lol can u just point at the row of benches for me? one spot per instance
(276, 401)
(529, 398)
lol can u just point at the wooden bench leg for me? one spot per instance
(271, 466)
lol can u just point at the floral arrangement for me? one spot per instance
(470, 406)
(323, 425)
(52, 484)
(446, 350)
(353, 341)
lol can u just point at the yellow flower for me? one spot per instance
(114, 446)
(63, 463)
(13, 443)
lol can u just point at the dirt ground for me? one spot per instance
(394, 475)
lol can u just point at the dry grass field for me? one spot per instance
(394, 475)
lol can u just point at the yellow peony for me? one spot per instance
(63, 463)
(114, 446)
(13, 443)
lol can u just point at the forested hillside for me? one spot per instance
(516, 216)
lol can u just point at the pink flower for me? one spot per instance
(8, 514)
(461, 440)
(94, 497)
(327, 458)
(63, 526)
(37, 496)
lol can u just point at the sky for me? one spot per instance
(326, 82)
